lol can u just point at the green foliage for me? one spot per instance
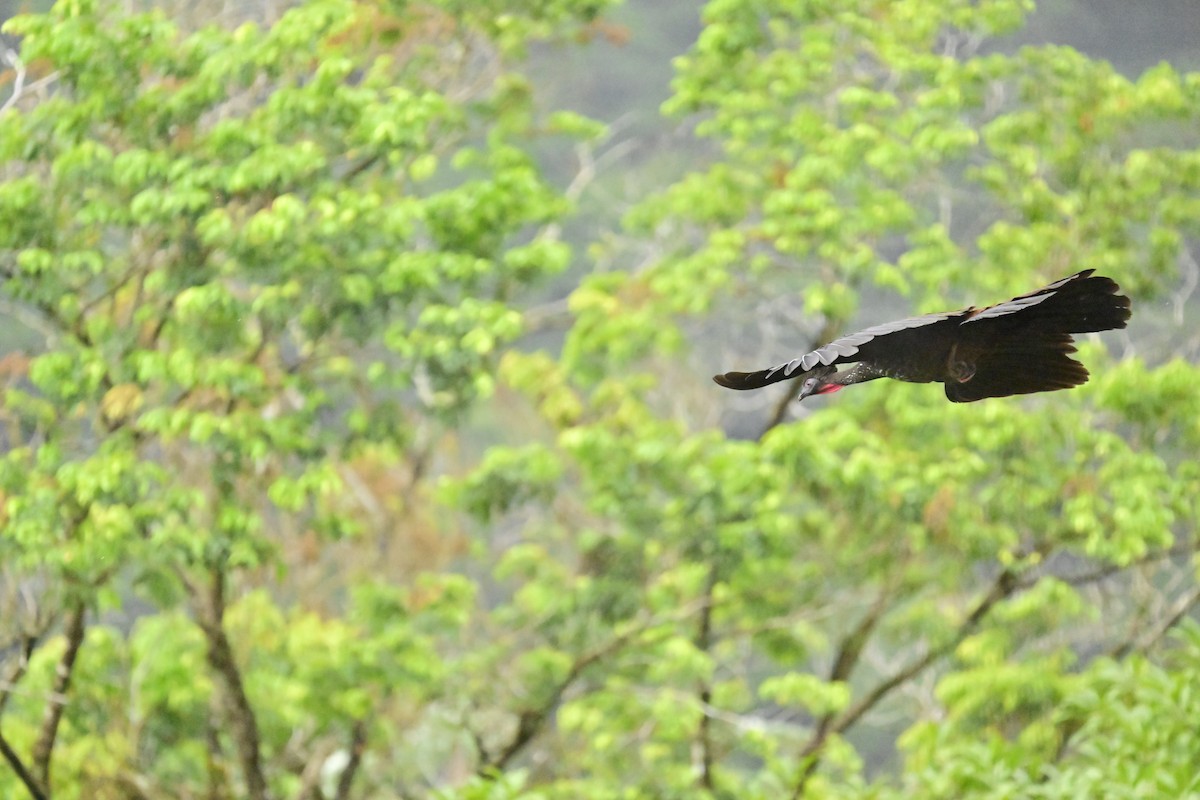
(889, 536)
(271, 259)
(1118, 731)
(334, 507)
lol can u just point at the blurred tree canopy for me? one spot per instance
(309, 492)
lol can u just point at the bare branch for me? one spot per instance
(590, 165)
(780, 413)
(1179, 610)
(30, 319)
(550, 315)
(9, 682)
(23, 774)
(852, 645)
(21, 88)
(703, 642)
(358, 745)
(847, 658)
(1108, 570)
(210, 614)
(310, 776)
(218, 779)
(1191, 278)
(43, 748)
(18, 68)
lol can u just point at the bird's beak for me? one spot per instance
(820, 388)
(814, 382)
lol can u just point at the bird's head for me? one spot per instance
(817, 381)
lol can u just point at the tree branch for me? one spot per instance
(1107, 570)
(780, 413)
(530, 721)
(1069, 727)
(56, 704)
(703, 643)
(218, 779)
(210, 614)
(1006, 584)
(852, 646)
(310, 775)
(28, 642)
(843, 664)
(20, 87)
(1141, 644)
(23, 774)
(358, 745)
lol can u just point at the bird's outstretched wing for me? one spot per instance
(1081, 303)
(860, 346)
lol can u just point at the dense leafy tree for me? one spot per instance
(296, 505)
(272, 265)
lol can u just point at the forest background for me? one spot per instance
(358, 437)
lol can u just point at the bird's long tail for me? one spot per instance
(1029, 363)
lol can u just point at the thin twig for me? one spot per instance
(1140, 644)
(18, 67)
(9, 683)
(19, 86)
(1191, 277)
(1110, 569)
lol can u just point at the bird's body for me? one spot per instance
(1016, 347)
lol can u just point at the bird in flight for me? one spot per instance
(1016, 347)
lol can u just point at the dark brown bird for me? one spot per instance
(1016, 347)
